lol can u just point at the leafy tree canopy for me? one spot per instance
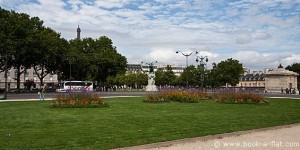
(228, 71)
(94, 59)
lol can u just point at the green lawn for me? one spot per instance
(129, 121)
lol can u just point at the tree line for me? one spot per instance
(225, 72)
(26, 43)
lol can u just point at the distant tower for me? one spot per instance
(78, 33)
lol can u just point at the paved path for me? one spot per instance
(279, 138)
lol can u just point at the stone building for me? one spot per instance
(145, 68)
(279, 78)
(274, 80)
(29, 75)
(252, 80)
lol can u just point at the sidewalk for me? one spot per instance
(285, 137)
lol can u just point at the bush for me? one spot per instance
(177, 96)
(78, 100)
(156, 98)
(240, 98)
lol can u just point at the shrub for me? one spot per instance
(177, 96)
(156, 98)
(240, 98)
(78, 100)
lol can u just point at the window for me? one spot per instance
(16, 73)
(34, 73)
(26, 73)
(254, 84)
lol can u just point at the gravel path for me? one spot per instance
(279, 138)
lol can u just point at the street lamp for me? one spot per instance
(186, 55)
(70, 77)
(202, 64)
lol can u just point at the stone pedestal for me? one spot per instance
(151, 82)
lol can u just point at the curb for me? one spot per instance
(203, 138)
(24, 100)
(284, 97)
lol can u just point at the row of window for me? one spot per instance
(26, 74)
(252, 85)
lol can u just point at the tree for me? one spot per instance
(212, 79)
(98, 59)
(190, 76)
(5, 40)
(227, 72)
(169, 76)
(16, 36)
(295, 67)
(142, 79)
(112, 62)
(163, 78)
(48, 49)
(159, 77)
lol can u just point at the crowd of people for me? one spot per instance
(289, 91)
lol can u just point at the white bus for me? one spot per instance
(75, 86)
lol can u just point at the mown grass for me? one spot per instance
(130, 121)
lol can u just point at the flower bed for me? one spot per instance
(239, 98)
(177, 96)
(156, 98)
(78, 100)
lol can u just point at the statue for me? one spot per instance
(151, 78)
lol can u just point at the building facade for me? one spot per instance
(252, 80)
(273, 80)
(278, 80)
(144, 68)
(28, 75)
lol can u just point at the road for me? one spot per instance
(15, 96)
(24, 96)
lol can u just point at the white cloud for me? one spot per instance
(261, 36)
(152, 30)
(244, 39)
(110, 3)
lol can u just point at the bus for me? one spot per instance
(75, 86)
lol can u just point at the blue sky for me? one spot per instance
(259, 33)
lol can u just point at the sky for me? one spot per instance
(260, 34)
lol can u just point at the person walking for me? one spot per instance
(41, 92)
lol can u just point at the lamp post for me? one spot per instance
(186, 55)
(202, 64)
(70, 76)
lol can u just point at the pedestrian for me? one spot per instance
(42, 92)
(266, 91)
